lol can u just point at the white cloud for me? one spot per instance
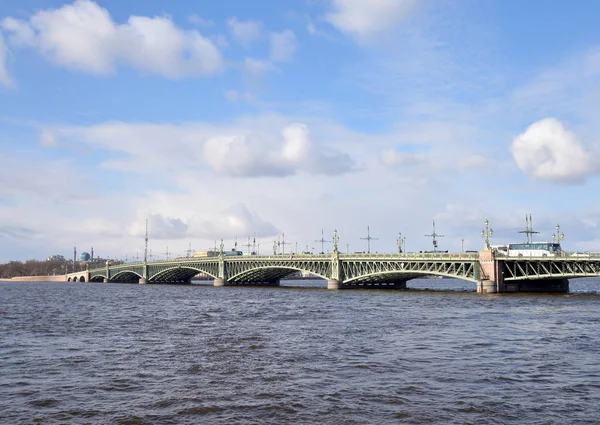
(200, 21)
(233, 221)
(283, 46)
(82, 36)
(21, 33)
(245, 32)
(546, 150)
(236, 152)
(5, 78)
(235, 96)
(47, 138)
(473, 161)
(362, 19)
(247, 156)
(162, 227)
(394, 159)
(256, 67)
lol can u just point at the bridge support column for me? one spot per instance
(490, 273)
(105, 280)
(144, 279)
(333, 284)
(219, 282)
(487, 287)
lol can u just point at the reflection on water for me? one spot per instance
(436, 353)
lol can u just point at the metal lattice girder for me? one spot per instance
(549, 268)
(404, 269)
(353, 268)
(182, 270)
(269, 269)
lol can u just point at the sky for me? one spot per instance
(281, 119)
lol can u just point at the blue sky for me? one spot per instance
(225, 119)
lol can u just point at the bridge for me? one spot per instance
(488, 270)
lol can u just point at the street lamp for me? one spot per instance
(557, 237)
(400, 242)
(487, 234)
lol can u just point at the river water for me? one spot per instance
(87, 353)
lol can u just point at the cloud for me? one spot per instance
(473, 161)
(245, 32)
(248, 156)
(82, 36)
(235, 96)
(363, 19)
(16, 232)
(256, 67)
(546, 150)
(200, 21)
(241, 152)
(394, 159)
(234, 221)
(162, 227)
(5, 78)
(283, 46)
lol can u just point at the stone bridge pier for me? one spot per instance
(493, 281)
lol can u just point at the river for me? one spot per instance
(91, 353)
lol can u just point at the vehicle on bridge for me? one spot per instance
(534, 249)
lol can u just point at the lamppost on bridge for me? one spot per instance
(434, 236)
(284, 243)
(557, 237)
(369, 239)
(335, 240)
(486, 234)
(322, 240)
(400, 241)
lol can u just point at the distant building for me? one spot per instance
(56, 257)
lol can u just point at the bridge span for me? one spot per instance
(490, 272)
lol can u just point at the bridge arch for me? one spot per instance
(269, 274)
(178, 273)
(97, 278)
(125, 276)
(399, 276)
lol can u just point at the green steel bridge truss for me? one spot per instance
(348, 269)
(523, 268)
(351, 270)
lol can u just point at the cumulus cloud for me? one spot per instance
(248, 156)
(82, 36)
(237, 220)
(161, 227)
(283, 46)
(363, 19)
(245, 32)
(5, 78)
(240, 152)
(256, 67)
(546, 150)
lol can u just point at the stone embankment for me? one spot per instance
(59, 278)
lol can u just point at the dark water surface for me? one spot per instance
(81, 353)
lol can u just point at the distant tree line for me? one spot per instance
(49, 267)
